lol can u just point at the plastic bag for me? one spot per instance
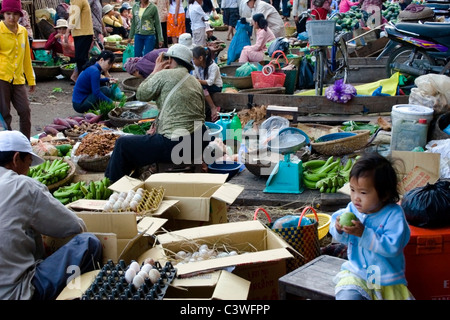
(95, 49)
(245, 70)
(290, 221)
(305, 75)
(270, 129)
(428, 206)
(279, 43)
(127, 53)
(69, 47)
(340, 92)
(433, 90)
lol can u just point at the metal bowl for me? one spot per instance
(289, 140)
(135, 105)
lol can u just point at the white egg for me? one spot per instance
(180, 254)
(125, 205)
(116, 206)
(138, 281)
(140, 191)
(107, 206)
(134, 265)
(114, 196)
(195, 255)
(232, 253)
(137, 197)
(134, 205)
(222, 254)
(123, 195)
(154, 275)
(143, 274)
(146, 268)
(129, 275)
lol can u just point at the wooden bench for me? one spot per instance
(312, 281)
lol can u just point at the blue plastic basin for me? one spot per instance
(232, 168)
(335, 136)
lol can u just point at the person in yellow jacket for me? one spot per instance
(113, 21)
(15, 67)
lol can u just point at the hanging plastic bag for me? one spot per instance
(127, 53)
(428, 206)
(270, 129)
(279, 43)
(116, 93)
(69, 47)
(95, 49)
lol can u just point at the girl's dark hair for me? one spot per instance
(105, 54)
(200, 51)
(191, 1)
(7, 156)
(382, 172)
(260, 21)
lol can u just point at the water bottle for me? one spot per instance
(235, 129)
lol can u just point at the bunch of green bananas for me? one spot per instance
(50, 171)
(326, 175)
(97, 190)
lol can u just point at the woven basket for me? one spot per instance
(46, 73)
(343, 146)
(117, 121)
(68, 179)
(67, 73)
(231, 80)
(132, 83)
(221, 28)
(96, 164)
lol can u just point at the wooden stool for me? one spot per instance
(280, 110)
(313, 281)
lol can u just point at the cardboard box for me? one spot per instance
(119, 233)
(427, 258)
(416, 169)
(263, 263)
(218, 285)
(201, 198)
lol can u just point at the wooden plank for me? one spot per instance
(309, 104)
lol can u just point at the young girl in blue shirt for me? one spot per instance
(375, 269)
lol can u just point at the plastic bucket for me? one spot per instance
(410, 126)
(214, 129)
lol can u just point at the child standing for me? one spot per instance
(376, 264)
(198, 19)
(16, 69)
(208, 74)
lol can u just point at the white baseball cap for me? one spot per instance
(18, 142)
(107, 8)
(181, 52)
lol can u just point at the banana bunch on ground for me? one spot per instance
(97, 190)
(50, 171)
(326, 175)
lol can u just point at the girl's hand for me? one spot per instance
(356, 230)
(337, 225)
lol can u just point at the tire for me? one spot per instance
(319, 72)
(402, 55)
(341, 62)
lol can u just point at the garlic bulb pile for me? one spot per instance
(124, 201)
(203, 253)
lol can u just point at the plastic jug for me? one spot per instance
(225, 122)
(235, 132)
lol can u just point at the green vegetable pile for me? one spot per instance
(137, 128)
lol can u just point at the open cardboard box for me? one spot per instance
(263, 263)
(201, 198)
(217, 285)
(122, 238)
(415, 169)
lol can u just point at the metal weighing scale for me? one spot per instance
(286, 177)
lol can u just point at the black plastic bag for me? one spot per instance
(279, 43)
(305, 75)
(428, 206)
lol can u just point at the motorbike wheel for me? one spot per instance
(407, 56)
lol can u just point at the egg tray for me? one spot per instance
(110, 284)
(151, 200)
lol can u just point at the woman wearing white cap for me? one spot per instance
(28, 211)
(57, 38)
(178, 136)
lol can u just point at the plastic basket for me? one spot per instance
(321, 32)
(275, 79)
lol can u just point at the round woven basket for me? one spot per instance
(96, 164)
(132, 83)
(117, 121)
(130, 94)
(46, 73)
(221, 28)
(68, 179)
(67, 73)
(343, 146)
(441, 123)
(231, 80)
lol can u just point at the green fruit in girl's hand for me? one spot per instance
(346, 219)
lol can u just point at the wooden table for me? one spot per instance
(314, 280)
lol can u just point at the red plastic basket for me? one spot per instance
(275, 79)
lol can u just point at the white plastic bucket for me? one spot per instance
(410, 126)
